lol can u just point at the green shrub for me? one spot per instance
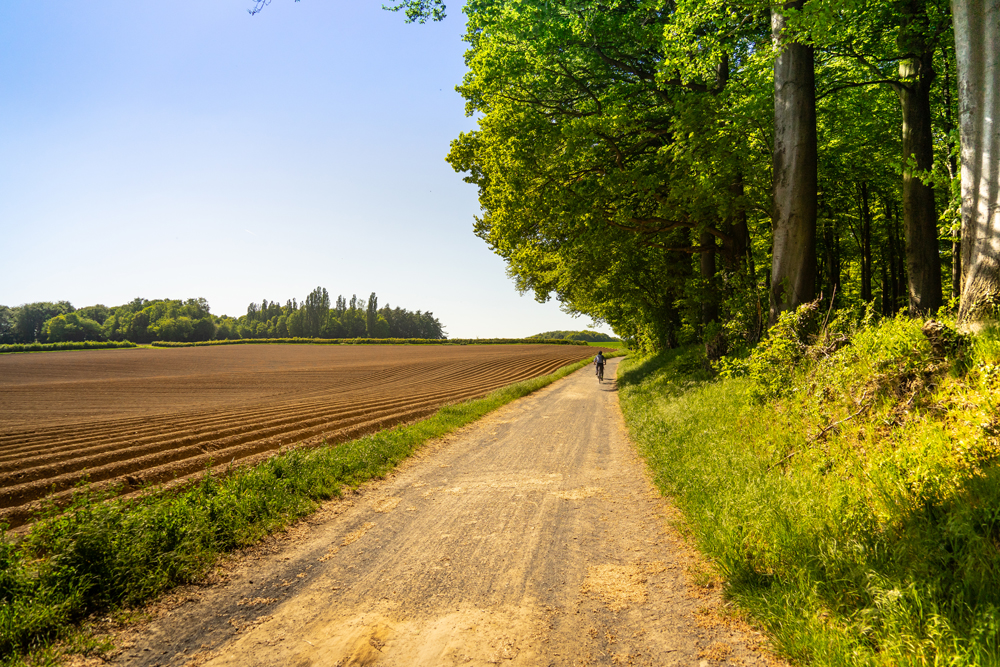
(771, 364)
(48, 347)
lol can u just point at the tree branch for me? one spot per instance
(895, 85)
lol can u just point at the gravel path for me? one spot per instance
(529, 538)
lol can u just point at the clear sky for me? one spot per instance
(185, 149)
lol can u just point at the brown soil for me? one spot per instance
(147, 416)
(532, 537)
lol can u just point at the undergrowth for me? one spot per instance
(844, 480)
(105, 554)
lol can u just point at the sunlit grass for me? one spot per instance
(858, 517)
(613, 344)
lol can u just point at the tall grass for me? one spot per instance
(856, 512)
(105, 554)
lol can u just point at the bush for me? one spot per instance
(48, 347)
(71, 327)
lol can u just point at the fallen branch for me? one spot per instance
(819, 435)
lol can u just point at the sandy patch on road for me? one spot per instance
(620, 586)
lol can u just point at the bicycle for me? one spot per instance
(600, 372)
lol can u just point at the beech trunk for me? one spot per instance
(866, 244)
(923, 264)
(977, 47)
(735, 251)
(710, 302)
(793, 263)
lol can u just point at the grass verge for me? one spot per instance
(102, 554)
(611, 344)
(854, 507)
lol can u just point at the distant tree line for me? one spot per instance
(318, 317)
(586, 336)
(146, 321)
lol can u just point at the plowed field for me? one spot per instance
(142, 416)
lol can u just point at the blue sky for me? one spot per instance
(185, 149)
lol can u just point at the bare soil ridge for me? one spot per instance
(529, 538)
(139, 417)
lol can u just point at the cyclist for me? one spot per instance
(599, 363)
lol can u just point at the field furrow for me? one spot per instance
(146, 417)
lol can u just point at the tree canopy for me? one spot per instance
(191, 320)
(627, 158)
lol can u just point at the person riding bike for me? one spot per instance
(599, 363)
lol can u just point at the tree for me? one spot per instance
(917, 41)
(595, 142)
(977, 48)
(180, 329)
(315, 310)
(71, 327)
(894, 44)
(380, 328)
(31, 317)
(99, 313)
(371, 316)
(793, 259)
(8, 319)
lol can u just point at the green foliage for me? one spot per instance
(142, 321)
(420, 11)
(191, 321)
(586, 335)
(112, 554)
(852, 511)
(8, 333)
(315, 309)
(316, 317)
(99, 313)
(617, 148)
(30, 318)
(71, 327)
(772, 363)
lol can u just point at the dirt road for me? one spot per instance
(529, 538)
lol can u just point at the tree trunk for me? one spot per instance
(902, 281)
(866, 245)
(956, 230)
(886, 293)
(832, 260)
(977, 50)
(891, 260)
(956, 264)
(710, 301)
(736, 246)
(793, 260)
(919, 216)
